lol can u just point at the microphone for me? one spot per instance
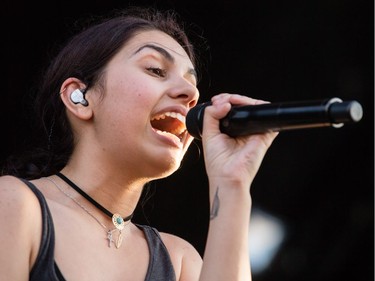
(261, 118)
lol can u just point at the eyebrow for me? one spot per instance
(166, 55)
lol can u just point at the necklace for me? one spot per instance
(117, 220)
(110, 232)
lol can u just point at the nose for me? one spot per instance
(185, 91)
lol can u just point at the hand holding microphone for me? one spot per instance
(261, 118)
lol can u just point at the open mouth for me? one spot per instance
(170, 123)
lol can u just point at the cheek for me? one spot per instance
(132, 91)
(129, 101)
(127, 111)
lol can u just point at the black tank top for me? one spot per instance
(45, 268)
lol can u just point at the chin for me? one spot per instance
(167, 168)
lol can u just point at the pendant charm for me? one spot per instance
(118, 221)
(110, 237)
(119, 240)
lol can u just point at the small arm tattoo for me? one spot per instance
(215, 205)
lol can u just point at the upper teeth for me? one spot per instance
(176, 115)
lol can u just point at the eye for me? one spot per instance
(157, 71)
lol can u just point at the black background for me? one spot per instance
(320, 181)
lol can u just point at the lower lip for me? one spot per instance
(169, 139)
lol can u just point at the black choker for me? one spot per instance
(117, 220)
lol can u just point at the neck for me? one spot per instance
(92, 200)
(117, 196)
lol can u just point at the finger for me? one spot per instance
(236, 99)
(212, 115)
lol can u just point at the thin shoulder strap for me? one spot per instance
(44, 267)
(160, 265)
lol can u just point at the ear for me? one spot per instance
(73, 95)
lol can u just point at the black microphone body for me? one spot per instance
(261, 118)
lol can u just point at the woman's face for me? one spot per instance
(149, 87)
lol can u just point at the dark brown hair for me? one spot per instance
(85, 56)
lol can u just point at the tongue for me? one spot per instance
(171, 125)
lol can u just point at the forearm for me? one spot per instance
(226, 255)
(231, 165)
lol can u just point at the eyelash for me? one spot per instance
(157, 71)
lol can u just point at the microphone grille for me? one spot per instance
(347, 111)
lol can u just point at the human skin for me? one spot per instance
(117, 151)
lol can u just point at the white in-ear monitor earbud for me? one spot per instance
(77, 96)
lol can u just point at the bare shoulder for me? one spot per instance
(13, 189)
(185, 258)
(20, 216)
(17, 199)
(176, 243)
